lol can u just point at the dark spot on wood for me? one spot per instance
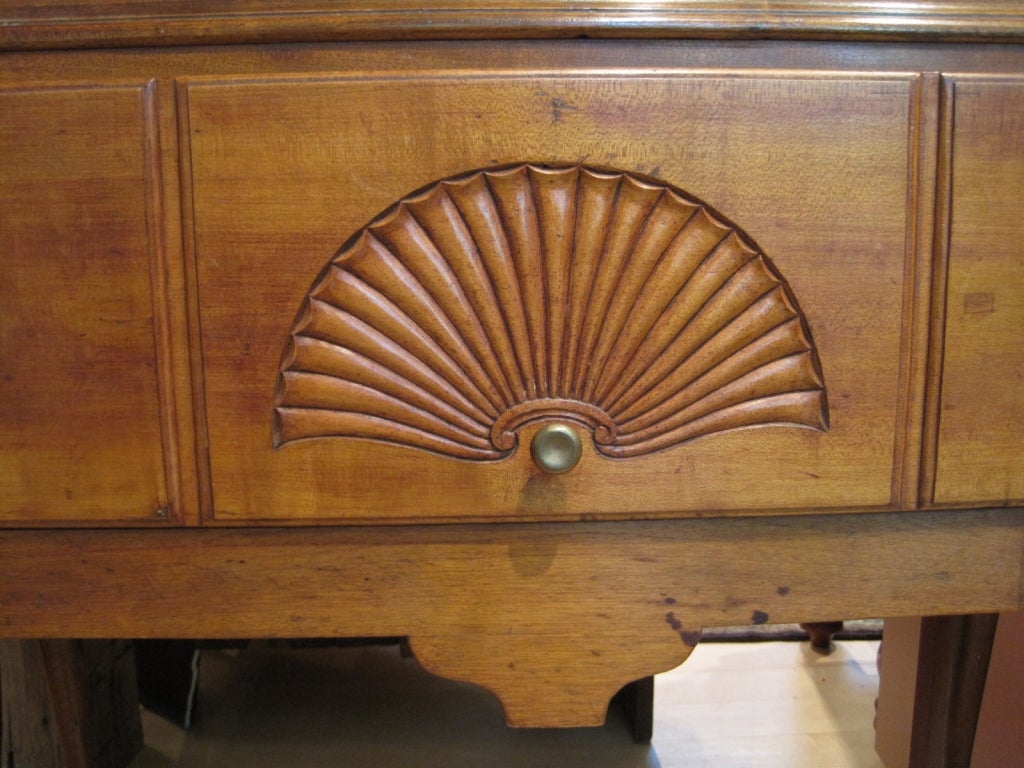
(558, 107)
(759, 617)
(532, 559)
(670, 601)
(690, 638)
(783, 591)
(979, 303)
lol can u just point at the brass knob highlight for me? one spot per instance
(556, 448)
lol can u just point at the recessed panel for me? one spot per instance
(80, 437)
(811, 169)
(981, 424)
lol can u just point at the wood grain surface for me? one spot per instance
(982, 405)
(103, 23)
(164, 214)
(553, 617)
(81, 426)
(832, 155)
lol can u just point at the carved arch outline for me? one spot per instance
(499, 297)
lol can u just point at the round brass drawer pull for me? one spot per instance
(556, 448)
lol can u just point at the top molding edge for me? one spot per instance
(49, 24)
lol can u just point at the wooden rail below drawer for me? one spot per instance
(553, 618)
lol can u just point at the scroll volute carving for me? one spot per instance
(504, 297)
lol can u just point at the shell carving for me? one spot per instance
(503, 297)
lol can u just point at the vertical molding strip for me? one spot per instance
(940, 276)
(165, 105)
(201, 441)
(170, 506)
(923, 165)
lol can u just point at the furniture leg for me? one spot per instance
(951, 671)
(637, 701)
(68, 704)
(821, 633)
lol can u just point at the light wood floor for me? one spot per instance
(730, 705)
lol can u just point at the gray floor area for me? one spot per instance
(764, 704)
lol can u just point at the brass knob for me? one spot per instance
(556, 448)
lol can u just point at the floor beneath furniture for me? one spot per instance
(776, 704)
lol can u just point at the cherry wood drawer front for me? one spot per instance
(80, 435)
(813, 167)
(981, 426)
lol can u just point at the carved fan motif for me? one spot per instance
(506, 296)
